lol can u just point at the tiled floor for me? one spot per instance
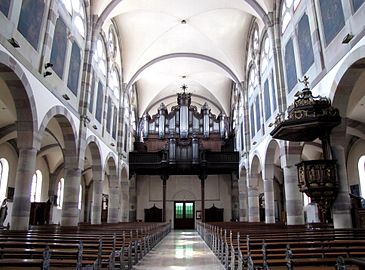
(180, 250)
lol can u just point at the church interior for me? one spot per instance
(217, 134)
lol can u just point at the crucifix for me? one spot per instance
(184, 87)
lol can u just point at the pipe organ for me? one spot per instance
(184, 122)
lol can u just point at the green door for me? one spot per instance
(184, 215)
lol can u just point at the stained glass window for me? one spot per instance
(99, 102)
(291, 72)
(5, 6)
(100, 56)
(109, 115)
(333, 19)
(258, 116)
(74, 70)
(76, 10)
(252, 121)
(59, 47)
(267, 100)
(30, 20)
(357, 4)
(305, 44)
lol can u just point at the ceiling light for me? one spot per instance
(183, 21)
(184, 77)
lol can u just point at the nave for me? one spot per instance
(180, 250)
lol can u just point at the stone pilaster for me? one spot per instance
(293, 197)
(235, 198)
(132, 199)
(253, 199)
(269, 201)
(23, 183)
(342, 206)
(96, 201)
(242, 188)
(70, 210)
(124, 202)
(113, 209)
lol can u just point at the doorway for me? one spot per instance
(184, 214)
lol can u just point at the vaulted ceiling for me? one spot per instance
(167, 43)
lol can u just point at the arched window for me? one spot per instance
(266, 54)
(287, 10)
(100, 56)
(60, 189)
(36, 190)
(361, 166)
(77, 12)
(112, 44)
(4, 173)
(255, 40)
(267, 77)
(252, 81)
(114, 82)
(306, 200)
(80, 198)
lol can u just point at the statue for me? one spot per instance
(3, 212)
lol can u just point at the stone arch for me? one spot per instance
(69, 132)
(114, 200)
(270, 158)
(346, 77)
(112, 167)
(92, 159)
(22, 94)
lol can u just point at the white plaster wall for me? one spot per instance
(184, 188)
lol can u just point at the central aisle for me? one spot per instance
(180, 250)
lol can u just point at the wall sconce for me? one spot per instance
(95, 127)
(47, 73)
(48, 65)
(65, 96)
(14, 43)
(112, 144)
(254, 143)
(347, 38)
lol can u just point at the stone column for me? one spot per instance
(96, 201)
(124, 202)
(293, 197)
(253, 199)
(342, 206)
(23, 183)
(242, 188)
(132, 199)
(113, 209)
(269, 201)
(70, 210)
(164, 179)
(235, 197)
(202, 178)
